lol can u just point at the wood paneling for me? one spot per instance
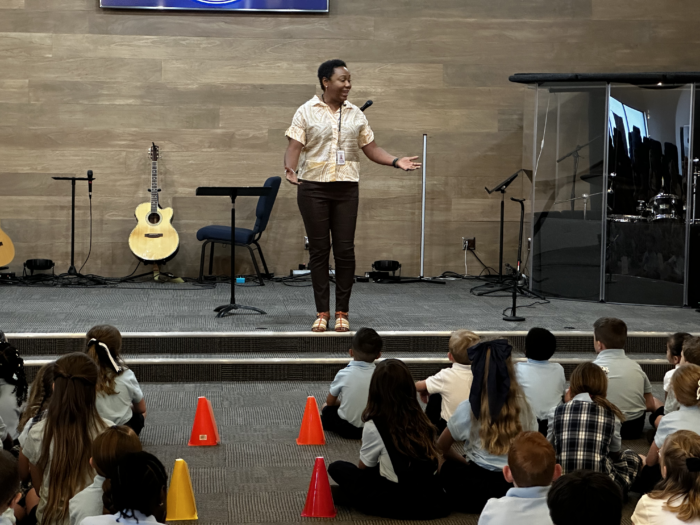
(83, 88)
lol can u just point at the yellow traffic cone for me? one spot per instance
(181, 503)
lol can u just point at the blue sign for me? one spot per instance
(319, 6)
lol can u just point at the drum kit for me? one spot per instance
(662, 207)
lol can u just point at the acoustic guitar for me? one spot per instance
(154, 239)
(7, 249)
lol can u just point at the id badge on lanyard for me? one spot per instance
(340, 154)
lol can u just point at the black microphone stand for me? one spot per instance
(513, 316)
(71, 270)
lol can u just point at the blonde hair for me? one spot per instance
(681, 487)
(591, 379)
(460, 342)
(498, 433)
(685, 383)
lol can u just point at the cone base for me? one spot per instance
(181, 519)
(190, 444)
(319, 443)
(321, 515)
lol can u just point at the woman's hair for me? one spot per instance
(137, 484)
(681, 486)
(326, 70)
(392, 400)
(108, 359)
(589, 378)
(12, 371)
(71, 422)
(685, 383)
(498, 433)
(675, 343)
(39, 394)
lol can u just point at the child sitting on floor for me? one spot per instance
(396, 475)
(342, 412)
(585, 431)
(677, 498)
(584, 497)
(674, 353)
(139, 491)
(450, 386)
(119, 396)
(690, 354)
(9, 487)
(629, 388)
(108, 449)
(543, 382)
(13, 389)
(531, 469)
(487, 423)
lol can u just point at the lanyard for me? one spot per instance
(340, 122)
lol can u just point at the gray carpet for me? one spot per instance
(258, 474)
(152, 307)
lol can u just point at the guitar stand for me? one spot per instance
(224, 310)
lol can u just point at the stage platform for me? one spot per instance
(172, 334)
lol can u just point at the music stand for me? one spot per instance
(72, 270)
(233, 192)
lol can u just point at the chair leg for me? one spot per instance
(262, 259)
(201, 263)
(255, 263)
(211, 259)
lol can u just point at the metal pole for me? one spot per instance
(689, 202)
(422, 217)
(604, 198)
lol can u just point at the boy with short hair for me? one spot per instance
(532, 466)
(629, 388)
(347, 399)
(543, 383)
(444, 391)
(9, 487)
(585, 497)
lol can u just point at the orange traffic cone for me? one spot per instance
(311, 431)
(319, 500)
(204, 430)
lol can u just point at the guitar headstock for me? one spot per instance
(153, 152)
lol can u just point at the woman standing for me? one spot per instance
(328, 133)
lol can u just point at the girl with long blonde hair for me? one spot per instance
(585, 431)
(58, 447)
(676, 498)
(495, 413)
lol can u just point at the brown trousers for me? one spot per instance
(330, 208)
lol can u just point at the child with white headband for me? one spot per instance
(119, 396)
(686, 387)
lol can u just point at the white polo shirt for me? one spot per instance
(543, 383)
(453, 384)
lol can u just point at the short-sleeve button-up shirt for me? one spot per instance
(316, 127)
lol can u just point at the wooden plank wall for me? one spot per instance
(83, 88)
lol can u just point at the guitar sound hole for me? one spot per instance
(154, 218)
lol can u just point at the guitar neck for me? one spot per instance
(154, 186)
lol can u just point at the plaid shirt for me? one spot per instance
(583, 432)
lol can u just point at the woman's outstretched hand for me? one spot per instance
(291, 176)
(407, 164)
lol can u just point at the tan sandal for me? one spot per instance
(321, 322)
(341, 322)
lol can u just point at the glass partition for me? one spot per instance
(648, 138)
(568, 182)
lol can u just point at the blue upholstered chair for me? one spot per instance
(243, 236)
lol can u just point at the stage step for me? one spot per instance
(306, 366)
(329, 343)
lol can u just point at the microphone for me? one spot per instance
(366, 105)
(89, 174)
